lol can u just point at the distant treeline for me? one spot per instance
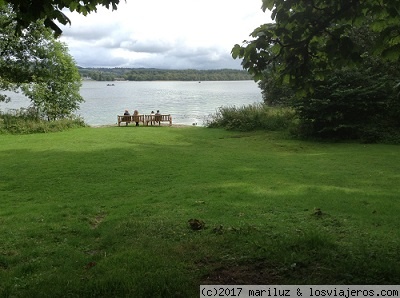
(151, 74)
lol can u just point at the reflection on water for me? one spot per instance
(187, 102)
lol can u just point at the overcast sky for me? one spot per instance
(168, 34)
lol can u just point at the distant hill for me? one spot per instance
(153, 74)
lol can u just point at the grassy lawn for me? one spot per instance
(103, 212)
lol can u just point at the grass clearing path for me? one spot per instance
(104, 212)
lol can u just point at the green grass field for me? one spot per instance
(103, 212)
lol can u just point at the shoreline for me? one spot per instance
(116, 125)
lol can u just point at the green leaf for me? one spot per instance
(268, 4)
(82, 10)
(73, 6)
(275, 49)
(236, 51)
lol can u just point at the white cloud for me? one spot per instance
(169, 34)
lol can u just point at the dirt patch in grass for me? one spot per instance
(97, 220)
(253, 272)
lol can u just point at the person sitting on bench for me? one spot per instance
(158, 117)
(136, 117)
(126, 119)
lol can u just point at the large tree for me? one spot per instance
(310, 37)
(21, 55)
(29, 11)
(39, 64)
(58, 96)
(338, 59)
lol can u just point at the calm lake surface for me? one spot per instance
(187, 102)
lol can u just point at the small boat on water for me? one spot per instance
(110, 85)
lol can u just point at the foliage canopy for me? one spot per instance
(339, 60)
(28, 12)
(311, 37)
(38, 64)
(21, 56)
(58, 96)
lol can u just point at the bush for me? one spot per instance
(351, 104)
(252, 117)
(26, 122)
(274, 91)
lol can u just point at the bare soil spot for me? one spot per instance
(94, 222)
(257, 272)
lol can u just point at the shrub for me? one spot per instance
(252, 117)
(350, 104)
(26, 122)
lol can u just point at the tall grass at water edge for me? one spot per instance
(252, 117)
(22, 121)
(103, 212)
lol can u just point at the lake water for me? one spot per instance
(187, 102)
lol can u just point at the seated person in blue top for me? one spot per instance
(126, 119)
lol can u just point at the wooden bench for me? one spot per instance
(145, 119)
(157, 119)
(130, 118)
